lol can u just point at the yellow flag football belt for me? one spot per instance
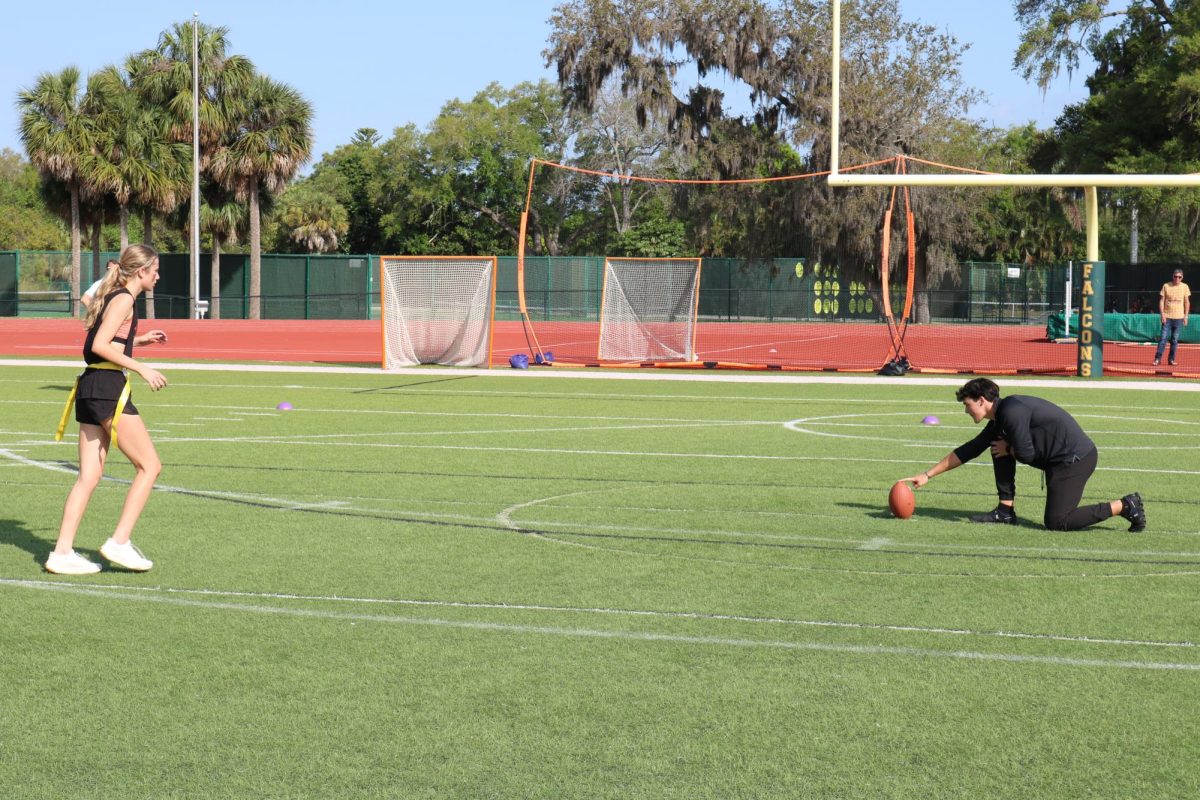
(121, 401)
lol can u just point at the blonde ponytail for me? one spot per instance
(132, 259)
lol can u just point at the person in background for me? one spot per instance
(1174, 304)
(89, 296)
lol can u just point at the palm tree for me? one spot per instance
(58, 137)
(225, 220)
(314, 219)
(164, 75)
(271, 141)
(135, 161)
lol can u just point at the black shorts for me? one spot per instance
(96, 410)
(97, 395)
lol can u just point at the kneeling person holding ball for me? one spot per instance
(1036, 432)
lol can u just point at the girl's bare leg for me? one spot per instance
(134, 441)
(93, 448)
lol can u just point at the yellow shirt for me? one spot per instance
(1172, 299)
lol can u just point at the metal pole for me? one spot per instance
(835, 95)
(195, 256)
(1091, 336)
(1067, 306)
(1133, 235)
(1092, 206)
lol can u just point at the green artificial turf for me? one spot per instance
(481, 585)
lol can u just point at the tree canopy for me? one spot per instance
(642, 91)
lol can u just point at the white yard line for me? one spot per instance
(656, 375)
(161, 596)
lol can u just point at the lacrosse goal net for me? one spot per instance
(437, 310)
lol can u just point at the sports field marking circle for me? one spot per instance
(505, 520)
(801, 426)
(804, 425)
(537, 529)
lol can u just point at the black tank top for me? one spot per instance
(91, 358)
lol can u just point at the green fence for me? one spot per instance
(292, 286)
(36, 283)
(9, 285)
(571, 288)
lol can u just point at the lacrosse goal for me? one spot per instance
(437, 310)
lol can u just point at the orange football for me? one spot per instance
(901, 500)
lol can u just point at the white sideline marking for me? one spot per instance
(669, 638)
(952, 427)
(797, 425)
(964, 548)
(693, 615)
(634, 453)
(655, 375)
(281, 504)
(806, 425)
(949, 409)
(29, 462)
(328, 438)
(504, 520)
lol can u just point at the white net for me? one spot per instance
(437, 310)
(649, 309)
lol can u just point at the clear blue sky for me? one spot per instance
(379, 64)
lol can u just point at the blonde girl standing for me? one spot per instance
(106, 416)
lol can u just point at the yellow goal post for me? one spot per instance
(1094, 269)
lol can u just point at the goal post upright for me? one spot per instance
(696, 311)
(1088, 182)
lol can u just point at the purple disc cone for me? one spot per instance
(930, 420)
(284, 406)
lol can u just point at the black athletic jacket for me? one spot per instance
(1038, 432)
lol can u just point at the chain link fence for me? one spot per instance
(37, 283)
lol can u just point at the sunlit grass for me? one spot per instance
(488, 586)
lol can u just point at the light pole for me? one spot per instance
(198, 307)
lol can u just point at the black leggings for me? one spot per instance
(1064, 490)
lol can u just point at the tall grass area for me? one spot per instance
(474, 585)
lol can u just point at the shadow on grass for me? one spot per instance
(373, 364)
(414, 383)
(15, 533)
(944, 514)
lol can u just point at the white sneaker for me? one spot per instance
(70, 564)
(125, 555)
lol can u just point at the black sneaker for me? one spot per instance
(1001, 514)
(1134, 510)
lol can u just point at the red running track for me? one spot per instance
(987, 349)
